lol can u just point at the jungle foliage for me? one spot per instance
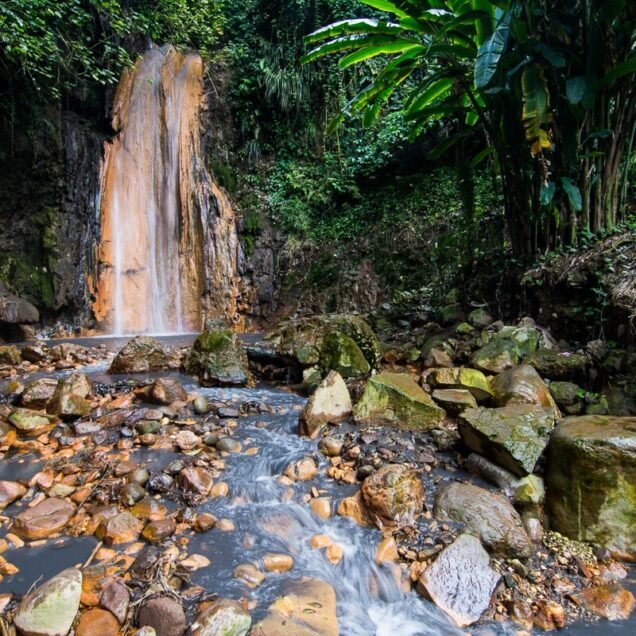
(548, 85)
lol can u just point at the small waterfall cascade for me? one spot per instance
(168, 235)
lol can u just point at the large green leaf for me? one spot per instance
(490, 53)
(620, 70)
(345, 44)
(350, 27)
(385, 5)
(575, 89)
(432, 93)
(573, 192)
(398, 46)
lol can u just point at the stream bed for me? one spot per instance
(269, 517)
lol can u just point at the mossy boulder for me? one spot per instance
(218, 358)
(568, 396)
(507, 348)
(397, 399)
(142, 354)
(512, 436)
(296, 338)
(591, 481)
(31, 423)
(462, 378)
(558, 365)
(480, 318)
(10, 355)
(341, 353)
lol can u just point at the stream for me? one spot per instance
(269, 518)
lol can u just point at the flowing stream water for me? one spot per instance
(269, 519)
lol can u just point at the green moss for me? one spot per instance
(213, 341)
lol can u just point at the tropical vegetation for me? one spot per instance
(547, 85)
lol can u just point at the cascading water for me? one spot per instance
(160, 234)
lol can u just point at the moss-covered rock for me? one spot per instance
(558, 365)
(218, 358)
(397, 399)
(454, 401)
(296, 336)
(480, 318)
(462, 378)
(10, 355)
(507, 349)
(568, 396)
(141, 354)
(512, 436)
(31, 423)
(341, 353)
(591, 481)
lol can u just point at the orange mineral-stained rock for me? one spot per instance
(46, 518)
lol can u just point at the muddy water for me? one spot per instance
(268, 519)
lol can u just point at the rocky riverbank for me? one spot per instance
(430, 479)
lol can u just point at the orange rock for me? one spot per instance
(354, 508)
(387, 551)
(278, 562)
(334, 553)
(97, 622)
(319, 541)
(610, 601)
(321, 507)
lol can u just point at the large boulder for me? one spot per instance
(397, 399)
(49, 610)
(591, 481)
(15, 310)
(558, 365)
(330, 404)
(512, 436)
(460, 581)
(341, 353)
(305, 336)
(488, 515)
(461, 378)
(522, 385)
(142, 354)
(218, 358)
(308, 608)
(507, 348)
(393, 495)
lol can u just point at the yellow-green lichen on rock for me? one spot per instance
(591, 481)
(396, 398)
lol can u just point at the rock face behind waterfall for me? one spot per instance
(169, 250)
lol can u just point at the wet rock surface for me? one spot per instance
(460, 580)
(591, 481)
(488, 515)
(204, 507)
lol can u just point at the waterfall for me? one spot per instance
(162, 217)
